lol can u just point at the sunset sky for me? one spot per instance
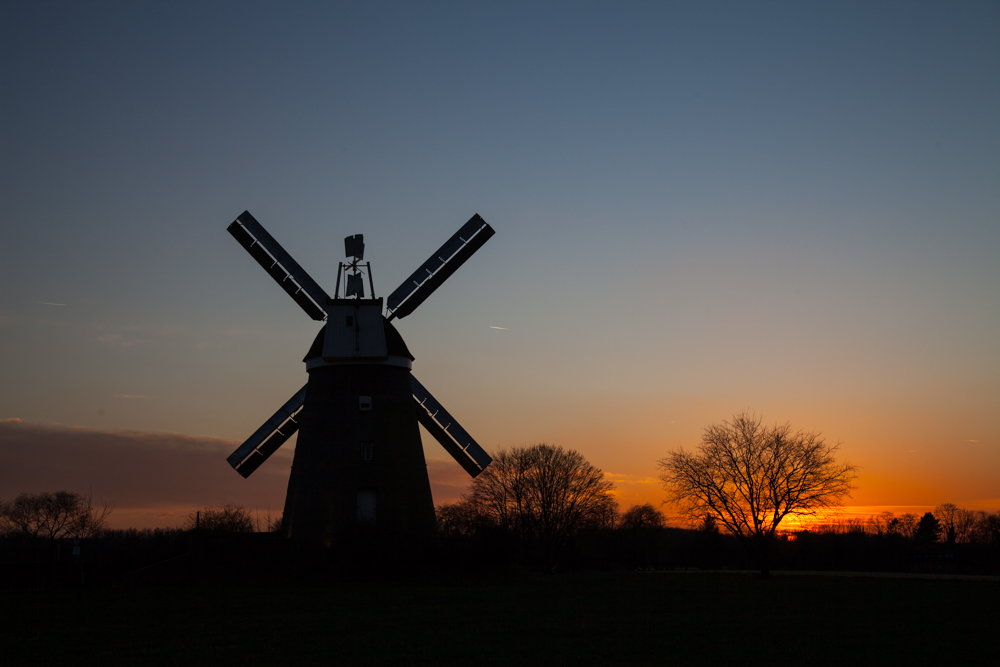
(792, 208)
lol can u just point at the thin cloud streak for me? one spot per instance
(501, 328)
(46, 303)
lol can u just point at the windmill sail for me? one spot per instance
(279, 264)
(432, 273)
(266, 440)
(448, 432)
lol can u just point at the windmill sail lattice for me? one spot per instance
(277, 430)
(439, 267)
(279, 264)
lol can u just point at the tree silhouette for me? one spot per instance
(642, 527)
(229, 518)
(751, 477)
(640, 517)
(461, 518)
(990, 527)
(708, 524)
(907, 526)
(542, 494)
(928, 528)
(961, 525)
(53, 515)
(947, 514)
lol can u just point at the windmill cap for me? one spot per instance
(394, 343)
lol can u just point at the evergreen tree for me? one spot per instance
(928, 528)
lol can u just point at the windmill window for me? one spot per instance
(364, 402)
(367, 451)
(350, 321)
(366, 507)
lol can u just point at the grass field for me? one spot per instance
(569, 619)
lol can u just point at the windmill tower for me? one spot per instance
(358, 473)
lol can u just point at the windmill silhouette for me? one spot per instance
(358, 473)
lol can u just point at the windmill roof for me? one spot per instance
(394, 343)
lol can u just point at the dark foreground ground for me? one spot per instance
(567, 619)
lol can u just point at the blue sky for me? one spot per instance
(700, 207)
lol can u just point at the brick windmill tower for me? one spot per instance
(358, 474)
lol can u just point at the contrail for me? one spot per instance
(46, 303)
(501, 328)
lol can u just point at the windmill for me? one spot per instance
(358, 472)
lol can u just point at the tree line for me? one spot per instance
(947, 523)
(546, 506)
(53, 516)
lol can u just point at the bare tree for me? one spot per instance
(268, 523)
(751, 477)
(967, 524)
(990, 528)
(848, 526)
(53, 515)
(946, 513)
(975, 526)
(907, 525)
(229, 518)
(641, 534)
(883, 523)
(639, 517)
(887, 523)
(543, 494)
(462, 518)
(962, 525)
(606, 514)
